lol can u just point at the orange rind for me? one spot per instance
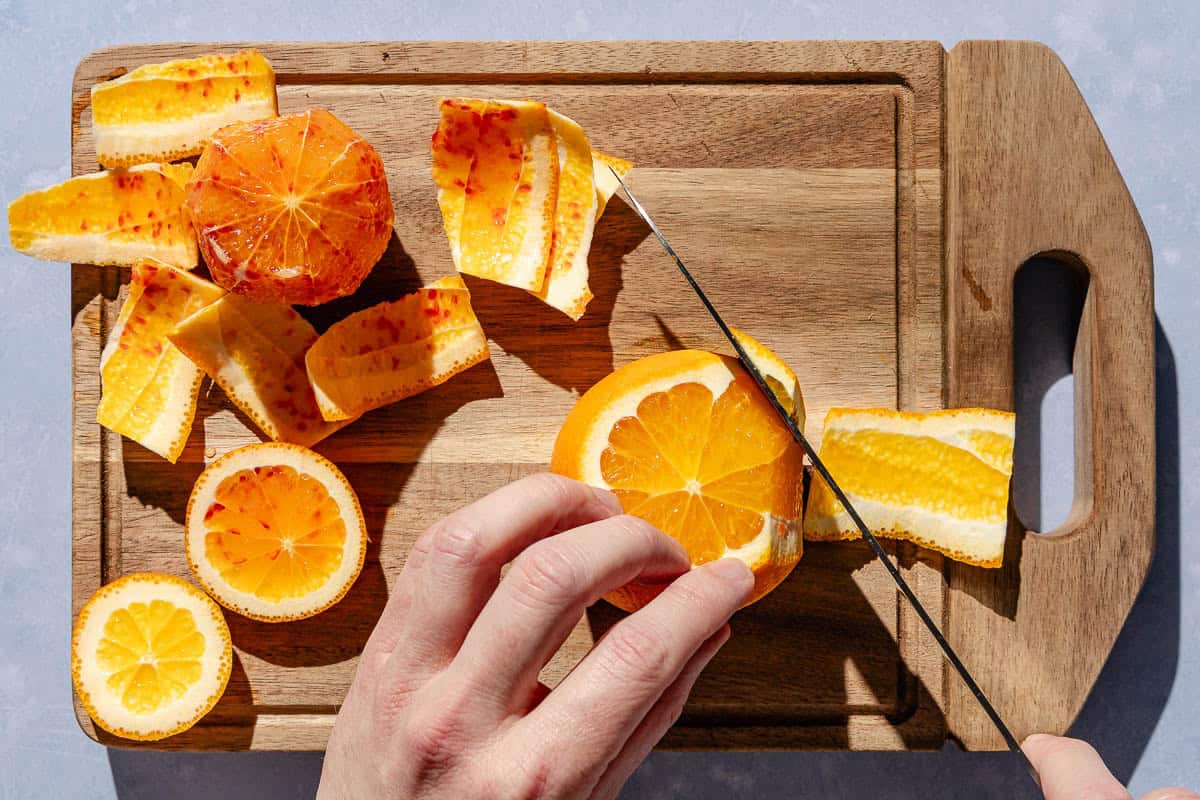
(255, 353)
(149, 388)
(169, 111)
(112, 218)
(394, 350)
(939, 479)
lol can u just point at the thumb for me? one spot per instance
(1071, 769)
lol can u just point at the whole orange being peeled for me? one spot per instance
(290, 210)
(686, 441)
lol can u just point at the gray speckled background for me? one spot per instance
(1136, 65)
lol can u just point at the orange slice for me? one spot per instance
(687, 442)
(150, 656)
(606, 184)
(391, 351)
(164, 112)
(149, 387)
(566, 286)
(255, 352)
(107, 218)
(508, 201)
(275, 532)
(938, 479)
(293, 210)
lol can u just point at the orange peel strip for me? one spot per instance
(169, 111)
(394, 350)
(149, 387)
(939, 479)
(255, 353)
(566, 286)
(113, 218)
(507, 225)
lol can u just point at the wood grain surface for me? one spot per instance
(1028, 174)
(801, 181)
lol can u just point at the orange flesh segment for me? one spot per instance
(168, 111)
(274, 533)
(153, 653)
(115, 218)
(149, 387)
(255, 353)
(686, 463)
(507, 221)
(292, 210)
(394, 350)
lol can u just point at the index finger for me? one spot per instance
(1071, 769)
(454, 567)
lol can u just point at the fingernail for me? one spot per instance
(732, 569)
(608, 500)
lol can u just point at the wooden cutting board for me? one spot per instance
(861, 208)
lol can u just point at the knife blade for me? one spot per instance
(823, 471)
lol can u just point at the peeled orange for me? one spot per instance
(275, 532)
(939, 479)
(112, 218)
(291, 210)
(149, 388)
(164, 112)
(686, 441)
(150, 656)
(391, 351)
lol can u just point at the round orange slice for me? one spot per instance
(150, 656)
(292, 210)
(275, 532)
(687, 441)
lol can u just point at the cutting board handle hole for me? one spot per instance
(1048, 301)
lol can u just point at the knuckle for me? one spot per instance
(546, 573)
(636, 652)
(556, 489)
(432, 737)
(454, 539)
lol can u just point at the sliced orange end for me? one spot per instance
(575, 212)
(164, 112)
(779, 376)
(112, 218)
(149, 387)
(255, 353)
(938, 479)
(293, 210)
(391, 351)
(150, 656)
(687, 442)
(275, 532)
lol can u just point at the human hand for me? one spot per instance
(1071, 769)
(446, 702)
